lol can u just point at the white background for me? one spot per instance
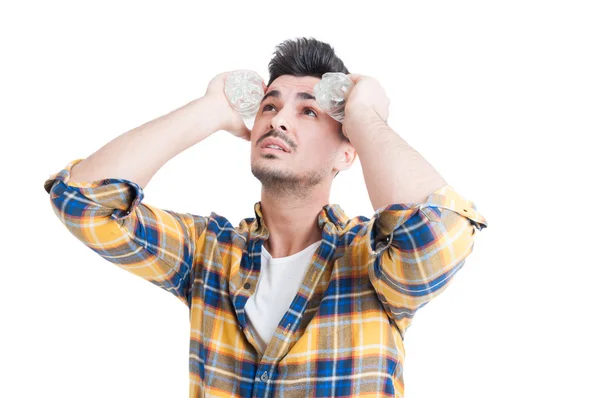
(503, 98)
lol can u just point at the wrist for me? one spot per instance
(209, 114)
(360, 119)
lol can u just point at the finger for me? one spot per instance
(355, 77)
(247, 136)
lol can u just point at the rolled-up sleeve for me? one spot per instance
(109, 217)
(413, 251)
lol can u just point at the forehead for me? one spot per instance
(291, 84)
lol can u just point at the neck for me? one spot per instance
(292, 221)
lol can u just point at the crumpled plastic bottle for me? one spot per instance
(332, 92)
(244, 91)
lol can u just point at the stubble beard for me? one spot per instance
(286, 183)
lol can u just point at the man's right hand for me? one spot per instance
(231, 121)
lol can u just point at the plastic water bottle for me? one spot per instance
(244, 90)
(332, 92)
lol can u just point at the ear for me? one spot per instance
(346, 157)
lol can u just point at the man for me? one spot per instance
(300, 300)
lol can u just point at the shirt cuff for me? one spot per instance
(123, 196)
(447, 198)
(391, 217)
(388, 219)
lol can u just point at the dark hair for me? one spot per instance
(305, 56)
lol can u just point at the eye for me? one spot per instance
(305, 109)
(310, 110)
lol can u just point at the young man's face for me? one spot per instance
(311, 137)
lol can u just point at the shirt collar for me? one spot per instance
(330, 214)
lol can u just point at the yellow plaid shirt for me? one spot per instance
(343, 333)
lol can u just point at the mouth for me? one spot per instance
(272, 149)
(275, 145)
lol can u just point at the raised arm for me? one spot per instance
(99, 199)
(139, 153)
(422, 230)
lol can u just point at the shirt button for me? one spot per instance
(264, 377)
(247, 285)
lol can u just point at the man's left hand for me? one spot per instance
(366, 96)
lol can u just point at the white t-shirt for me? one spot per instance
(278, 284)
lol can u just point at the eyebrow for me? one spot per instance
(299, 96)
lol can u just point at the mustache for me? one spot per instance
(277, 134)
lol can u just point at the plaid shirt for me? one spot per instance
(343, 333)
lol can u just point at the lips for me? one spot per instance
(273, 150)
(276, 142)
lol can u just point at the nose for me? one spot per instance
(279, 125)
(278, 122)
